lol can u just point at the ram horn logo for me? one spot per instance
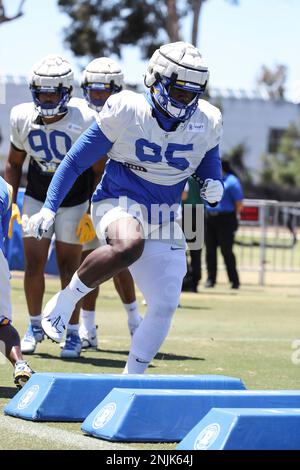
(207, 436)
(28, 397)
(104, 415)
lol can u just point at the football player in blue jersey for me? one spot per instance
(44, 130)
(101, 78)
(9, 337)
(154, 143)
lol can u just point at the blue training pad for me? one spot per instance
(168, 415)
(245, 429)
(71, 397)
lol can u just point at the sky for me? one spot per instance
(235, 41)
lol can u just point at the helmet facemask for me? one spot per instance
(177, 77)
(51, 75)
(101, 75)
(178, 99)
(51, 108)
(104, 89)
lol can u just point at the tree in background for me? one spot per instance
(273, 81)
(4, 18)
(283, 167)
(101, 28)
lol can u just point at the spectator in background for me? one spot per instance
(191, 195)
(221, 223)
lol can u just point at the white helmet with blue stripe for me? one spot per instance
(52, 74)
(173, 69)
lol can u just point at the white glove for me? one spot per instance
(39, 223)
(212, 191)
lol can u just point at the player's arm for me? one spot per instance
(85, 229)
(209, 175)
(13, 168)
(5, 213)
(13, 174)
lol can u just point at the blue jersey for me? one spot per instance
(146, 163)
(5, 210)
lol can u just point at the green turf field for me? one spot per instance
(246, 334)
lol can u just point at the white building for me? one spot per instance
(249, 119)
(254, 121)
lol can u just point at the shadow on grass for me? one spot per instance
(160, 355)
(115, 363)
(8, 392)
(93, 361)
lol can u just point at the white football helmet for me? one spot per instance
(101, 74)
(52, 74)
(178, 65)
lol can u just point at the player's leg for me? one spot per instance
(196, 268)
(125, 240)
(159, 274)
(68, 255)
(36, 253)
(226, 240)
(211, 244)
(10, 346)
(9, 337)
(88, 327)
(125, 287)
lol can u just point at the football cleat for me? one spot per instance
(54, 328)
(72, 346)
(133, 325)
(88, 339)
(22, 373)
(56, 315)
(33, 335)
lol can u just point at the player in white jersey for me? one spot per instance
(101, 78)
(44, 131)
(154, 143)
(9, 337)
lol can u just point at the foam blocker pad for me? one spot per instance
(168, 415)
(245, 429)
(71, 397)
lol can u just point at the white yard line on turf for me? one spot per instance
(50, 434)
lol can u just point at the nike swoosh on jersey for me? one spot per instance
(174, 248)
